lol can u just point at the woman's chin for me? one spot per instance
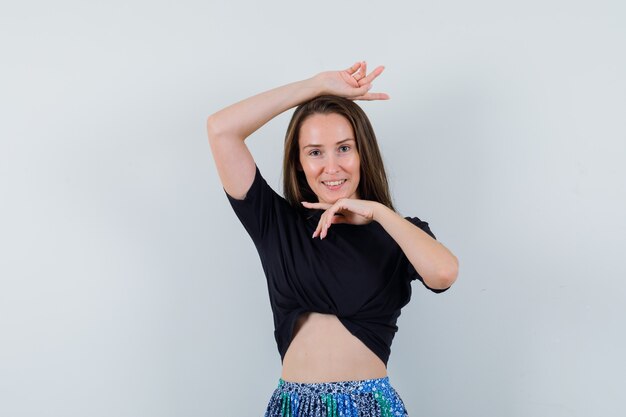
(332, 199)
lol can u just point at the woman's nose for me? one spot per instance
(332, 165)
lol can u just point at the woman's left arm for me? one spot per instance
(433, 261)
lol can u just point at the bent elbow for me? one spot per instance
(446, 276)
(212, 127)
(450, 274)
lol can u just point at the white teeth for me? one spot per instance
(334, 183)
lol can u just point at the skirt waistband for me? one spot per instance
(367, 397)
(341, 387)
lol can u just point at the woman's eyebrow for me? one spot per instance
(313, 145)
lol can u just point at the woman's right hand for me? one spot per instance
(229, 127)
(352, 83)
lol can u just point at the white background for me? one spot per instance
(129, 288)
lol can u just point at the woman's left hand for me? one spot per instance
(345, 210)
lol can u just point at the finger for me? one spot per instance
(362, 71)
(350, 79)
(359, 74)
(354, 68)
(331, 213)
(371, 77)
(322, 206)
(362, 90)
(335, 219)
(372, 96)
(329, 217)
(325, 230)
(318, 229)
(325, 223)
(322, 227)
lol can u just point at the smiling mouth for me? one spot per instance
(333, 185)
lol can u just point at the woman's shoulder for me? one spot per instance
(421, 224)
(262, 207)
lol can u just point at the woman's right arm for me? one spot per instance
(229, 127)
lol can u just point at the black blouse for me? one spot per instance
(357, 272)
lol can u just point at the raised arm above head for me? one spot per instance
(228, 128)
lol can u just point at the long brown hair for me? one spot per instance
(373, 184)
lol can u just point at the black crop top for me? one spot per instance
(357, 272)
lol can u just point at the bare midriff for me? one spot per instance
(323, 350)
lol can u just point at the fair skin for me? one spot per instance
(330, 161)
(329, 157)
(229, 127)
(322, 349)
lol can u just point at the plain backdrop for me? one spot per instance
(129, 288)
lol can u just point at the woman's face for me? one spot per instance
(329, 157)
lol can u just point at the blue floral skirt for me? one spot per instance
(365, 398)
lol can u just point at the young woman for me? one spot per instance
(338, 259)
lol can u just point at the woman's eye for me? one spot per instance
(314, 152)
(344, 148)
